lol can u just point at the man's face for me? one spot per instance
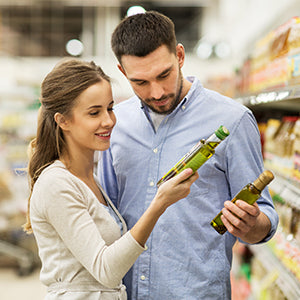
(156, 78)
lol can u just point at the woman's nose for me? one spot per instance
(108, 120)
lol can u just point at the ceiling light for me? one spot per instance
(134, 10)
(74, 47)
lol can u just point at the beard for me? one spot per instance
(176, 99)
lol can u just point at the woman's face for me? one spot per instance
(92, 119)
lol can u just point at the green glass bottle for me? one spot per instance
(249, 193)
(198, 155)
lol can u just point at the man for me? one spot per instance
(186, 257)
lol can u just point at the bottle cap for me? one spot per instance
(222, 132)
(263, 179)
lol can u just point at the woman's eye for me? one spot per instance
(94, 113)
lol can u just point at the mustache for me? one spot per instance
(160, 99)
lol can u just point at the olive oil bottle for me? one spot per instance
(249, 193)
(198, 155)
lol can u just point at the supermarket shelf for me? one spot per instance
(287, 189)
(287, 98)
(286, 281)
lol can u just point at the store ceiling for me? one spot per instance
(43, 27)
(111, 3)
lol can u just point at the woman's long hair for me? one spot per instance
(59, 92)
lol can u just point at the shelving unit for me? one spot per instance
(285, 100)
(288, 189)
(285, 280)
(18, 118)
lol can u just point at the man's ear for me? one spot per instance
(180, 54)
(122, 70)
(61, 121)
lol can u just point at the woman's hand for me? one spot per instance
(175, 188)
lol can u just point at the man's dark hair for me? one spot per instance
(141, 34)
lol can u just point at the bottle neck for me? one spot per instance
(213, 138)
(254, 189)
(213, 141)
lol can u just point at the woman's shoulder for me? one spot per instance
(57, 183)
(56, 178)
(54, 173)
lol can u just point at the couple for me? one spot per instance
(166, 251)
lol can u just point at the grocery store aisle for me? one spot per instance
(14, 287)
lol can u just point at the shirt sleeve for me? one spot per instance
(66, 210)
(244, 161)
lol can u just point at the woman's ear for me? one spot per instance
(61, 121)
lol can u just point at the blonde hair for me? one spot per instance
(59, 92)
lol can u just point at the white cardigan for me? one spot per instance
(82, 252)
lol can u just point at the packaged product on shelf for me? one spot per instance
(294, 65)
(296, 228)
(274, 75)
(288, 253)
(284, 140)
(296, 152)
(269, 150)
(295, 220)
(275, 58)
(285, 38)
(285, 213)
(294, 36)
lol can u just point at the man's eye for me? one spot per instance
(164, 75)
(141, 82)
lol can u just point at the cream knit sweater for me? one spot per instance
(82, 252)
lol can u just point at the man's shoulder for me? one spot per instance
(225, 102)
(125, 104)
(128, 110)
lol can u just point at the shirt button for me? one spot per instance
(151, 183)
(143, 277)
(155, 150)
(183, 107)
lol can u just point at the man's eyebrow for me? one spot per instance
(162, 73)
(165, 71)
(136, 80)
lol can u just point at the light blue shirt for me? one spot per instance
(186, 258)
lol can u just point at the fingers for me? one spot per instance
(182, 176)
(239, 217)
(179, 186)
(242, 209)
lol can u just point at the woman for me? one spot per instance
(83, 241)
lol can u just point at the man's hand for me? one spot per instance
(245, 221)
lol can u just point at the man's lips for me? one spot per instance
(161, 102)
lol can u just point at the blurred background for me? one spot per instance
(248, 50)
